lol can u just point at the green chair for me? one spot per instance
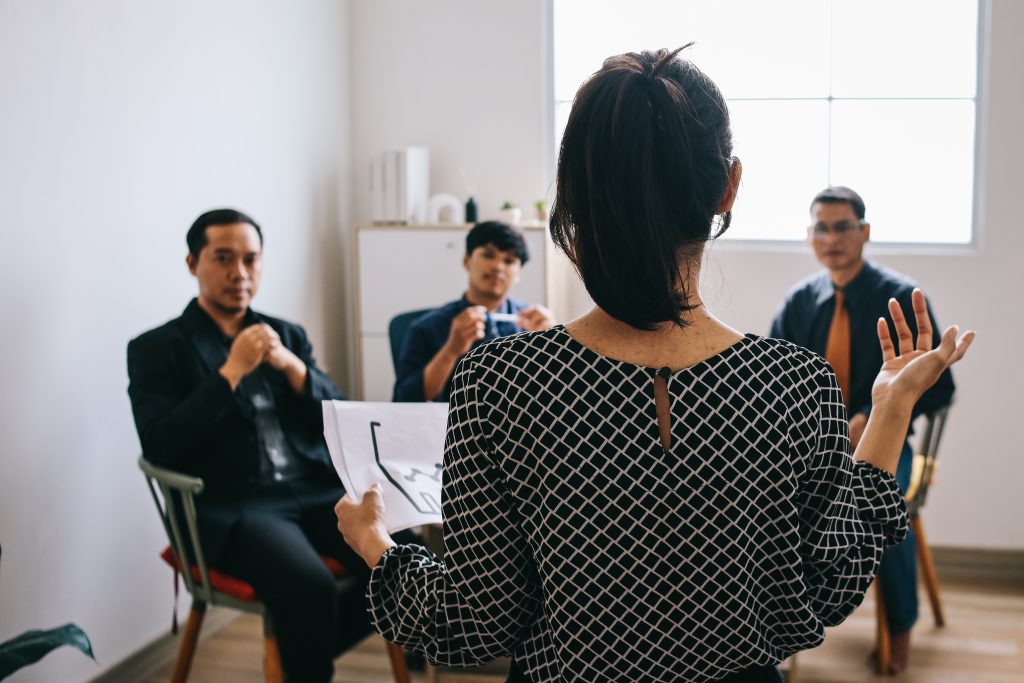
(174, 495)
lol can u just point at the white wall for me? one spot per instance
(460, 77)
(121, 121)
(463, 77)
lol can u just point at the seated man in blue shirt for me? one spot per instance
(495, 255)
(834, 313)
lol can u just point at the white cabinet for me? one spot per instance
(406, 268)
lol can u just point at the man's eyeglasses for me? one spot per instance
(820, 231)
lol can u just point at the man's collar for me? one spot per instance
(853, 290)
(856, 288)
(198, 320)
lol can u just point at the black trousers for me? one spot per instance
(761, 674)
(276, 546)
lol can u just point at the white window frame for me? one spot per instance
(980, 99)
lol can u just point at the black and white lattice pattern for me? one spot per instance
(577, 543)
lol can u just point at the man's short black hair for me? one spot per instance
(501, 235)
(840, 194)
(196, 237)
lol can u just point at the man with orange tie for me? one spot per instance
(834, 313)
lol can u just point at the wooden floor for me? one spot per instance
(983, 642)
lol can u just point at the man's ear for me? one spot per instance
(191, 261)
(867, 232)
(465, 261)
(731, 188)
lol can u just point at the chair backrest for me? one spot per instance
(924, 460)
(398, 328)
(176, 503)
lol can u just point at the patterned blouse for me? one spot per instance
(576, 543)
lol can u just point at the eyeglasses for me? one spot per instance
(841, 229)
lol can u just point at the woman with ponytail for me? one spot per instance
(646, 494)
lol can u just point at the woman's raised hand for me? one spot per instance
(908, 370)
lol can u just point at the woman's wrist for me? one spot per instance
(375, 546)
(895, 401)
(884, 434)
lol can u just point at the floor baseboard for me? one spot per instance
(151, 658)
(979, 564)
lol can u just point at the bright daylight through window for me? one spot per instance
(875, 94)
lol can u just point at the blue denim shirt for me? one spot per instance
(426, 337)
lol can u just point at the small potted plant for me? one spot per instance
(542, 210)
(510, 213)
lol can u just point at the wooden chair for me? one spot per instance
(921, 477)
(207, 586)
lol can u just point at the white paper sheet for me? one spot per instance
(399, 445)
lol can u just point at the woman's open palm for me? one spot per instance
(908, 370)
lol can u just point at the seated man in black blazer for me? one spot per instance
(233, 396)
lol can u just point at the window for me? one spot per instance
(879, 95)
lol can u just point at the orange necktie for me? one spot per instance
(837, 349)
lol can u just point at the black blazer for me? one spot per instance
(190, 421)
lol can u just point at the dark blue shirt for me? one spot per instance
(426, 337)
(806, 314)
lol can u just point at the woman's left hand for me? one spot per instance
(362, 525)
(908, 370)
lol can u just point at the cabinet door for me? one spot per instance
(407, 269)
(378, 372)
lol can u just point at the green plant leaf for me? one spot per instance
(31, 646)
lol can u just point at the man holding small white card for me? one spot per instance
(495, 255)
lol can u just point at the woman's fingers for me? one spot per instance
(373, 495)
(341, 511)
(904, 337)
(961, 346)
(342, 504)
(951, 349)
(924, 321)
(885, 341)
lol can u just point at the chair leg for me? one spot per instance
(189, 638)
(931, 579)
(883, 644)
(272, 671)
(398, 665)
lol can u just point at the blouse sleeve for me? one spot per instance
(849, 512)
(478, 602)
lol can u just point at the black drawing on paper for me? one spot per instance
(436, 476)
(427, 500)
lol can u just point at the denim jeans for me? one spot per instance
(898, 571)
